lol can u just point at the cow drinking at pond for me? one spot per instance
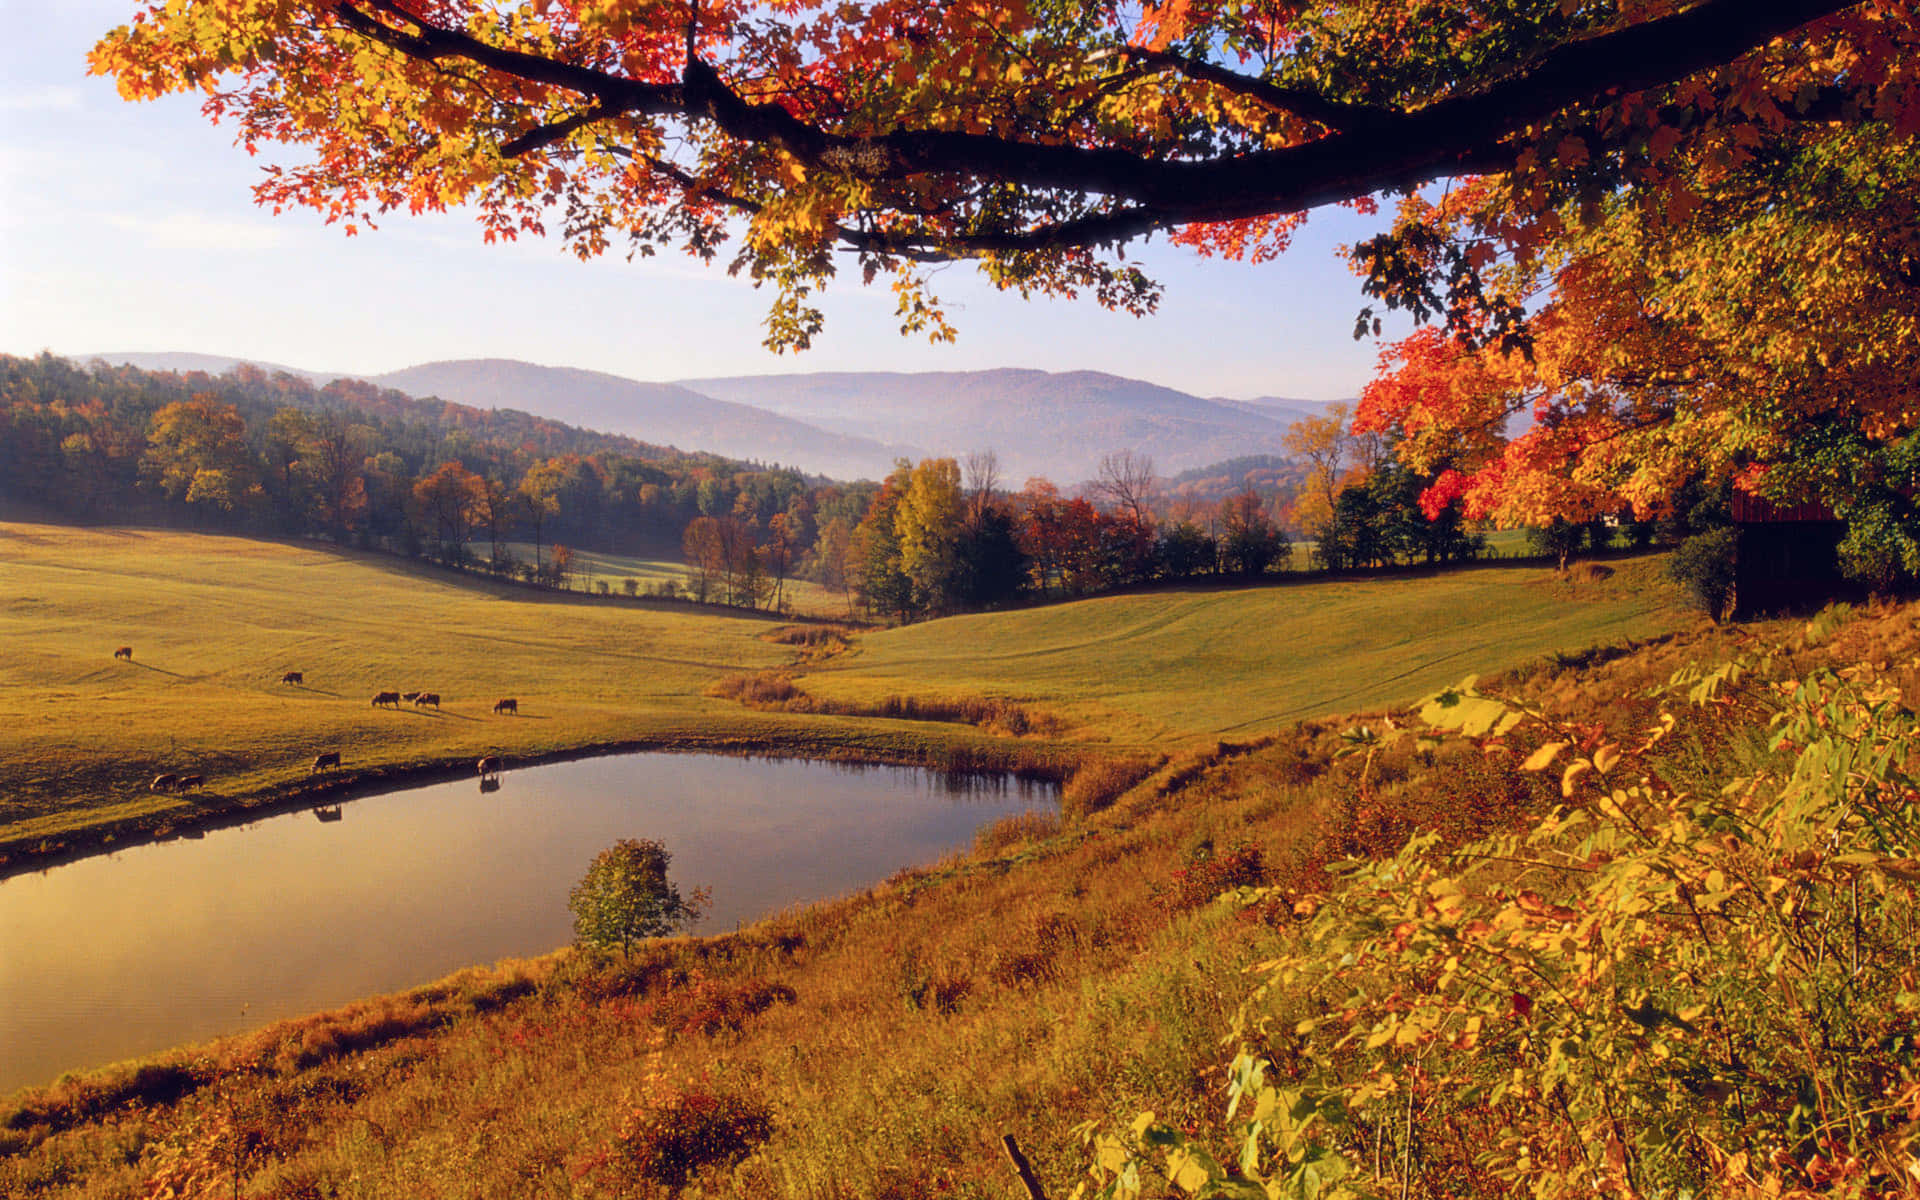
(489, 767)
(321, 762)
(509, 705)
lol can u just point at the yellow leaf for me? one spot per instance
(1543, 758)
(1605, 757)
(1575, 769)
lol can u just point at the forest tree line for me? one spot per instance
(250, 451)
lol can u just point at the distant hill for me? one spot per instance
(855, 424)
(212, 364)
(655, 412)
(1038, 422)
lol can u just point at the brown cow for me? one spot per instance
(321, 762)
(423, 699)
(294, 677)
(509, 705)
(125, 652)
(164, 783)
(490, 765)
(189, 782)
(410, 697)
(380, 698)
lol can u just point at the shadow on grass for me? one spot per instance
(158, 670)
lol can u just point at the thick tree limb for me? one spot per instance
(1465, 134)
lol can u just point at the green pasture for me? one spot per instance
(1168, 665)
(592, 567)
(214, 622)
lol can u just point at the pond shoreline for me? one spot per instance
(22, 854)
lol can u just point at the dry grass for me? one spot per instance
(776, 691)
(891, 1038)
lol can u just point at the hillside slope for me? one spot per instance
(1168, 664)
(1052, 424)
(883, 1045)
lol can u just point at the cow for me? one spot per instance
(380, 698)
(187, 783)
(125, 652)
(321, 762)
(489, 766)
(509, 705)
(294, 677)
(423, 699)
(164, 783)
(410, 697)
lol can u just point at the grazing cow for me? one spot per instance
(189, 782)
(164, 783)
(322, 761)
(125, 652)
(411, 697)
(294, 677)
(423, 699)
(509, 705)
(380, 698)
(489, 766)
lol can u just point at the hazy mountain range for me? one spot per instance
(853, 424)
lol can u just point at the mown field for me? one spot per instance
(214, 622)
(799, 597)
(1159, 667)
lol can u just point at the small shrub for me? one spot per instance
(1008, 832)
(713, 1006)
(1704, 565)
(1208, 873)
(765, 689)
(1096, 785)
(685, 1132)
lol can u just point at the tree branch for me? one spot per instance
(1344, 118)
(1369, 151)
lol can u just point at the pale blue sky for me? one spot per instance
(131, 227)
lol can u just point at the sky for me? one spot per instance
(131, 227)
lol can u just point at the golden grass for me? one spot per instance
(1058, 975)
(215, 621)
(1175, 665)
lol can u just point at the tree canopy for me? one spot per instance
(1039, 137)
(626, 897)
(1676, 236)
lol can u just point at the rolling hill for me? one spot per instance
(856, 424)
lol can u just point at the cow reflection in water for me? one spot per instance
(327, 812)
(489, 784)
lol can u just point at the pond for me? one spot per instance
(172, 942)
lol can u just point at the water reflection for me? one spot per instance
(289, 915)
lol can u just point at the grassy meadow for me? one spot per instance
(592, 567)
(214, 622)
(880, 1046)
(1166, 666)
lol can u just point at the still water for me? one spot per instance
(155, 945)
